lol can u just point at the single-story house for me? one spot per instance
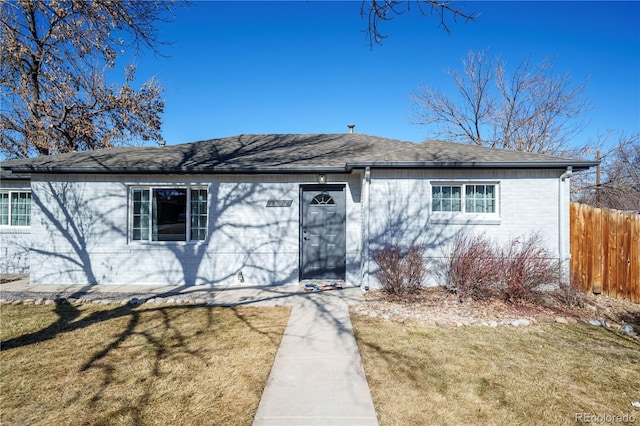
(268, 209)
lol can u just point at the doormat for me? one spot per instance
(322, 287)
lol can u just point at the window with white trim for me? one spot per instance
(464, 198)
(168, 214)
(15, 208)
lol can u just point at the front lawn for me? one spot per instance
(549, 374)
(118, 365)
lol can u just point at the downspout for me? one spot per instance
(366, 183)
(563, 254)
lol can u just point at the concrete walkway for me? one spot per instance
(317, 377)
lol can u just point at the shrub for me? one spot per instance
(525, 266)
(569, 293)
(401, 271)
(470, 267)
(475, 268)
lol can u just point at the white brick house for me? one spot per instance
(267, 209)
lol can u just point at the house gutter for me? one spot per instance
(168, 170)
(576, 165)
(564, 252)
(364, 284)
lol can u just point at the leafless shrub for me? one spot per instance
(470, 267)
(568, 293)
(478, 269)
(401, 271)
(525, 266)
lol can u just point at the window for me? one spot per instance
(464, 198)
(446, 198)
(480, 199)
(322, 200)
(169, 214)
(15, 208)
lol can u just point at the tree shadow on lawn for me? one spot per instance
(489, 372)
(153, 342)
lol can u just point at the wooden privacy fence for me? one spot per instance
(605, 251)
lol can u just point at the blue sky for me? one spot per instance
(307, 67)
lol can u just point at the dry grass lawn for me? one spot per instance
(117, 365)
(497, 376)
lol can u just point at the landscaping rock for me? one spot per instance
(596, 322)
(442, 323)
(520, 322)
(562, 320)
(628, 329)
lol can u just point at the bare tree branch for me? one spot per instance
(619, 186)
(530, 109)
(379, 11)
(54, 57)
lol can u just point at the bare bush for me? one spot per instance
(470, 267)
(401, 271)
(568, 295)
(525, 266)
(478, 269)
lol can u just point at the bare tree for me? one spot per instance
(54, 56)
(530, 109)
(616, 184)
(378, 11)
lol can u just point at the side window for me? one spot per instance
(15, 208)
(480, 198)
(464, 198)
(446, 198)
(198, 214)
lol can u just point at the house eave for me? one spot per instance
(347, 168)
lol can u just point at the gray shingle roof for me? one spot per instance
(281, 153)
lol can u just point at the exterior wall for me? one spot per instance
(15, 240)
(81, 226)
(80, 232)
(400, 211)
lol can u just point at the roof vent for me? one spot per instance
(351, 126)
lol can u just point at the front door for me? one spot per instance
(322, 233)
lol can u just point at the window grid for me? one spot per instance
(141, 208)
(446, 198)
(15, 208)
(198, 214)
(4, 208)
(480, 199)
(475, 198)
(322, 200)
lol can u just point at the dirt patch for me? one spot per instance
(436, 305)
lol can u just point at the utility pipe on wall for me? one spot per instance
(563, 224)
(365, 228)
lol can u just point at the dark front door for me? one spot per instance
(322, 233)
